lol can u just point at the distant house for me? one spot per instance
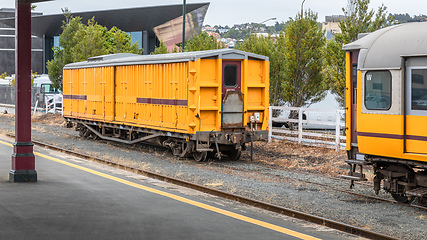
(208, 29)
(331, 26)
(223, 30)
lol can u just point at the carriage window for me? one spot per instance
(354, 78)
(419, 89)
(230, 75)
(378, 90)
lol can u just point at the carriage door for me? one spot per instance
(416, 106)
(353, 85)
(232, 98)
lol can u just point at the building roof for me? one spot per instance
(129, 20)
(123, 59)
(386, 47)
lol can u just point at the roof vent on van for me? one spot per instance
(110, 57)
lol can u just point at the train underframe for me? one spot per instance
(403, 179)
(229, 142)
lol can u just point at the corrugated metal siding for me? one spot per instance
(152, 95)
(255, 88)
(181, 97)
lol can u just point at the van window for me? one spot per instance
(230, 75)
(378, 90)
(47, 88)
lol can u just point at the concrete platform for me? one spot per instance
(79, 199)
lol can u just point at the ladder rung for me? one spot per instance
(357, 162)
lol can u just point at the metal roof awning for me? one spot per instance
(128, 20)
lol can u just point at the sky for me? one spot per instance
(230, 12)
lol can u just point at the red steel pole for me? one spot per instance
(23, 159)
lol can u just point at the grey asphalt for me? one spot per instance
(69, 202)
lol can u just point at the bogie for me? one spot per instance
(398, 179)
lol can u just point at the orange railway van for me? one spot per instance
(386, 109)
(194, 102)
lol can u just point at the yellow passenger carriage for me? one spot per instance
(196, 102)
(386, 109)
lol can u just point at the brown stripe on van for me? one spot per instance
(75, 97)
(159, 101)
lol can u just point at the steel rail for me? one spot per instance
(316, 174)
(323, 185)
(255, 203)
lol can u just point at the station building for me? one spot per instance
(7, 45)
(147, 25)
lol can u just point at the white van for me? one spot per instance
(46, 90)
(4, 82)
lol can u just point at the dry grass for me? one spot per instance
(51, 119)
(7, 115)
(293, 156)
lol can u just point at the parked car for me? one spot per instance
(420, 104)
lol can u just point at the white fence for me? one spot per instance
(328, 133)
(52, 104)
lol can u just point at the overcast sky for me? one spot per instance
(230, 12)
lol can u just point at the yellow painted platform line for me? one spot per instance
(181, 199)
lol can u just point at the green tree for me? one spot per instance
(13, 81)
(91, 41)
(236, 34)
(79, 42)
(303, 79)
(334, 70)
(274, 50)
(202, 42)
(161, 49)
(358, 19)
(4, 75)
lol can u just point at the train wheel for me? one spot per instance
(234, 155)
(200, 156)
(81, 133)
(401, 197)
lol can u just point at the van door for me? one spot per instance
(416, 106)
(232, 98)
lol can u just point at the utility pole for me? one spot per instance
(183, 25)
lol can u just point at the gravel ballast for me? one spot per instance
(277, 186)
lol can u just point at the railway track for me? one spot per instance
(259, 204)
(315, 174)
(320, 185)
